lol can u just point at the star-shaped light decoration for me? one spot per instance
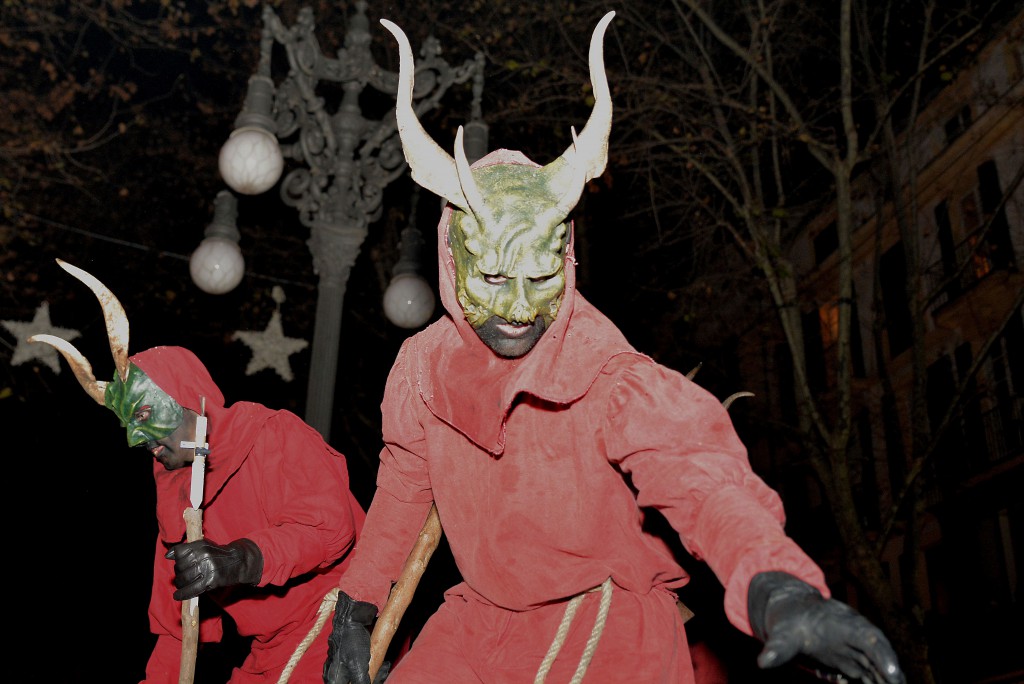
(28, 351)
(270, 348)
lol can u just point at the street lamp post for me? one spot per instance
(346, 159)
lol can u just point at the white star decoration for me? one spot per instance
(44, 353)
(270, 348)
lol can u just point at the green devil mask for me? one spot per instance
(131, 390)
(146, 411)
(515, 269)
(509, 227)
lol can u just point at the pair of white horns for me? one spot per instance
(117, 332)
(437, 171)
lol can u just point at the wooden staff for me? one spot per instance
(402, 593)
(193, 532)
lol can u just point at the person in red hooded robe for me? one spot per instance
(278, 516)
(542, 435)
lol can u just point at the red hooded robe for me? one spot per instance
(541, 467)
(270, 478)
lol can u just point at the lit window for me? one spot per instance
(829, 317)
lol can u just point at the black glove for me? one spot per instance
(792, 618)
(202, 565)
(348, 646)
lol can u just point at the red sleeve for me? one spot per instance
(305, 495)
(165, 661)
(686, 460)
(402, 500)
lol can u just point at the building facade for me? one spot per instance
(963, 187)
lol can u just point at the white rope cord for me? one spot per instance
(331, 600)
(556, 645)
(563, 631)
(324, 612)
(595, 634)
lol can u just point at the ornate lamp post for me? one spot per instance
(346, 160)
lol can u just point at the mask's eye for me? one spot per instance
(496, 279)
(143, 414)
(542, 279)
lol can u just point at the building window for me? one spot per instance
(1003, 414)
(787, 392)
(898, 324)
(1014, 63)
(965, 447)
(828, 318)
(814, 351)
(957, 124)
(947, 246)
(866, 492)
(983, 244)
(895, 455)
(826, 243)
(997, 235)
(973, 249)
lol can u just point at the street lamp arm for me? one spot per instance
(376, 173)
(390, 163)
(304, 192)
(298, 93)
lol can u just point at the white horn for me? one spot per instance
(431, 167)
(113, 314)
(79, 365)
(587, 156)
(475, 204)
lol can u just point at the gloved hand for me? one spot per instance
(792, 618)
(202, 565)
(348, 646)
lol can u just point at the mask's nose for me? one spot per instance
(520, 311)
(135, 438)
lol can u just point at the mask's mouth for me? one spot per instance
(156, 449)
(514, 329)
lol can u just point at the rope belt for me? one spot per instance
(563, 631)
(331, 600)
(322, 613)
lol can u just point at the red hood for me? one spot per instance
(470, 387)
(230, 432)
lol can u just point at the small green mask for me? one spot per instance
(145, 411)
(514, 267)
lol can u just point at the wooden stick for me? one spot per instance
(193, 532)
(402, 593)
(190, 608)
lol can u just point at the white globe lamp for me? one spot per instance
(408, 301)
(250, 162)
(217, 265)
